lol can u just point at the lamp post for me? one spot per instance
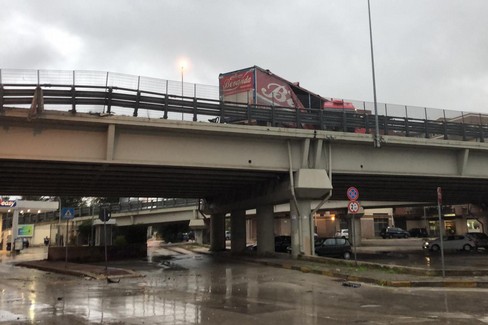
(377, 142)
(182, 68)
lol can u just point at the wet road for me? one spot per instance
(196, 289)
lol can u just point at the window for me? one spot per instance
(474, 225)
(330, 242)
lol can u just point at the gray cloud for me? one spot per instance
(427, 52)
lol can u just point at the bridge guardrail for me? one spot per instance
(113, 93)
(95, 209)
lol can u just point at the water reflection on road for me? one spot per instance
(195, 289)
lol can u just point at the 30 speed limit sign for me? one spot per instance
(353, 207)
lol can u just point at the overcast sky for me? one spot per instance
(431, 53)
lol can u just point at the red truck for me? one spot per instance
(257, 86)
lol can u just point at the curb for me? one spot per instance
(384, 283)
(441, 283)
(80, 273)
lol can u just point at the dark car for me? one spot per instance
(393, 232)
(333, 247)
(282, 244)
(418, 232)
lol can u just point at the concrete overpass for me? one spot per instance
(232, 167)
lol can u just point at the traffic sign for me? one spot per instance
(67, 213)
(353, 207)
(104, 214)
(352, 194)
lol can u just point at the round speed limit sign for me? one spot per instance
(353, 207)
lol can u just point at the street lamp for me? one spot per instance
(377, 142)
(182, 68)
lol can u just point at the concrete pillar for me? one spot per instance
(217, 232)
(238, 231)
(295, 237)
(301, 228)
(307, 228)
(265, 229)
(15, 227)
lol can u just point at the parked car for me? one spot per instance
(343, 233)
(282, 244)
(418, 232)
(451, 242)
(333, 247)
(393, 232)
(481, 239)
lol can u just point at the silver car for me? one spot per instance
(451, 242)
(480, 238)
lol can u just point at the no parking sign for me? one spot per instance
(352, 193)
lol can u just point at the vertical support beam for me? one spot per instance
(462, 161)
(265, 229)
(238, 231)
(110, 142)
(217, 232)
(305, 153)
(318, 154)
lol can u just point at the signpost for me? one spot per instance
(104, 216)
(441, 228)
(67, 214)
(353, 207)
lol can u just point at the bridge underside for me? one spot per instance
(22, 177)
(64, 154)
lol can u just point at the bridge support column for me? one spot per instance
(265, 229)
(217, 232)
(301, 228)
(238, 231)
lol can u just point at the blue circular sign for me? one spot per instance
(352, 193)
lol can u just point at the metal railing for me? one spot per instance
(112, 93)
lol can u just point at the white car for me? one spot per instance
(343, 233)
(451, 242)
